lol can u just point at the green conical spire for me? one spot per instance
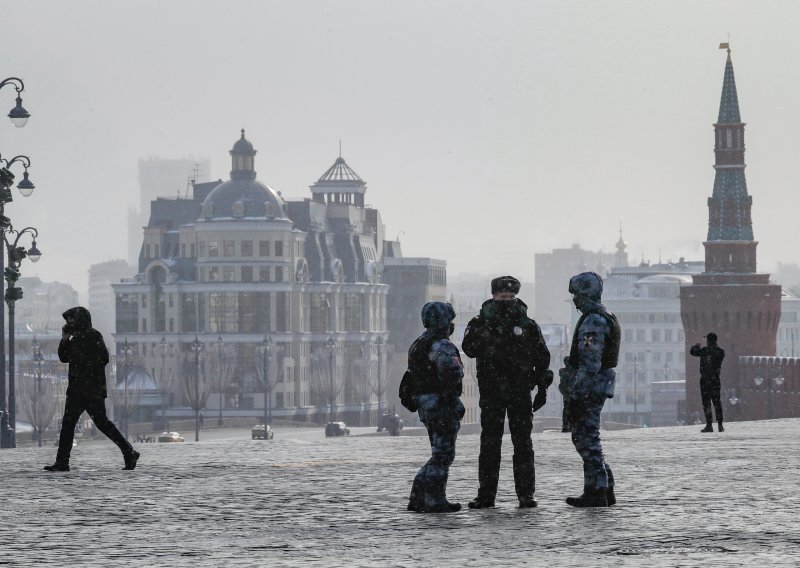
(729, 103)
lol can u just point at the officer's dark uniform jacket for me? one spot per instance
(86, 354)
(508, 346)
(594, 376)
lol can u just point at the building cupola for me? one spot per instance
(242, 159)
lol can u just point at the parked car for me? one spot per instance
(258, 432)
(391, 422)
(337, 429)
(170, 437)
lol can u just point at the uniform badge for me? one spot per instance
(517, 330)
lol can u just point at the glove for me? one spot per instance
(540, 399)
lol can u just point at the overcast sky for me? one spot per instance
(486, 131)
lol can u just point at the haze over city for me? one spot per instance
(486, 132)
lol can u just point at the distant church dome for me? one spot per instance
(243, 196)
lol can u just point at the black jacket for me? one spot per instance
(86, 353)
(710, 359)
(508, 345)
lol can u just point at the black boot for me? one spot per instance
(720, 429)
(590, 498)
(708, 428)
(527, 502)
(479, 503)
(57, 467)
(445, 507)
(131, 459)
(610, 497)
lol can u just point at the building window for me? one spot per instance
(254, 312)
(183, 250)
(144, 300)
(319, 307)
(263, 248)
(223, 312)
(171, 300)
(213, 249)
(147, 251)
(127, 313)
(247, 273)
(228, 274)
(352, 312)
(247, 248)
(278, 248)
(278, 274)
(171, 324)
(144, 325)
(263, 274)
(193, 312)
(228, 248)
(193, 255)
(628, 335)
(656, 334)
(213, 274)
(155, 251)
(640, 335)
(667, 335)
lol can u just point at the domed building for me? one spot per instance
(287, 289)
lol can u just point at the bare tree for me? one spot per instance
(41, 395)
(193, 372)
(220, 366)
(125, 395)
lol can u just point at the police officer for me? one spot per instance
(711, 358)
(592, 358)
(435, 362)
(512, 359)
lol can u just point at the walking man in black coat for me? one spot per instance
(512, 360)
(83, 348)
(711, 358)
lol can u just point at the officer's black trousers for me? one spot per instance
(710, 394)
(495, 403)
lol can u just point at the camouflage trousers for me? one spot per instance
(585, 428)
(430, 484)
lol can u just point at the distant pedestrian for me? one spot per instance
(711, 358)
(436, 366)
(590, 366)
(512, 360)
(83, 348)
(564, 379)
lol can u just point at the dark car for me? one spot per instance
(258, 432)
(337, 429)
(391, 422)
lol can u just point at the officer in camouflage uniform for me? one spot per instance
(512, 360)
(435, 360)
(592, 358)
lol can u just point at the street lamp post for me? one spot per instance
(776, 381)
(265, 350)
(197, 348)
(221, 355)
(19, 117)
(16, 254)
(38, 359)
(163, 348)
(331, 345)
(635, 394)
(379, 343)
(126, 351)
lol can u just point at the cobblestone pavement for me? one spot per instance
(685, 499)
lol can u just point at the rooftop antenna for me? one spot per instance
(340, 147)
(191, 180)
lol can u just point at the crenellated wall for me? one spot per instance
(778, 395)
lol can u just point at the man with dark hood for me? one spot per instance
(711, 358)
(590, 368)
(436, 364)
(512, 360)
(83, 348)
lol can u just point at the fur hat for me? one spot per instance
(505, 284)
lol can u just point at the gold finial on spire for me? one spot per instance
(727, 45)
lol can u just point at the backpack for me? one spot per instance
(416, 379)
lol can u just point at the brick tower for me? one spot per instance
(729, 298)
